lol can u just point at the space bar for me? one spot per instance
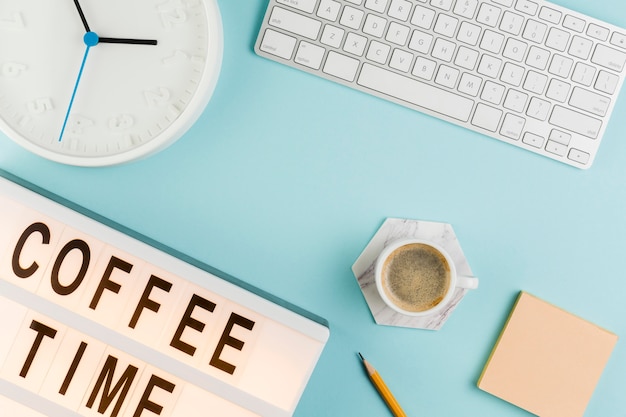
(415, 92)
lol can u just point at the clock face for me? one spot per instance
(91, 82)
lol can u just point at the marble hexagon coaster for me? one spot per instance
(394, 229)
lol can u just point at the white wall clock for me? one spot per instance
(92, 83)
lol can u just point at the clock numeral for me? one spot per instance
(14, 21)
(40, 105)
(78, 125)
(121, 122)
(128, 141)
(12, 69)
(181, 56)
(159, 96)
(24, 122)
(174, 12)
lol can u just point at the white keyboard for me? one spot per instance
(529, 73)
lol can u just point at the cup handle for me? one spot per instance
(469, 282)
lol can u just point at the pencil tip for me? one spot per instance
(361, 356)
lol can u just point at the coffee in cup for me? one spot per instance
(417, 277)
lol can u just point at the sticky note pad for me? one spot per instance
(547, 361)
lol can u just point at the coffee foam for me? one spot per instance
(416, 277)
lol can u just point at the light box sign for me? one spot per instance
(97, 322)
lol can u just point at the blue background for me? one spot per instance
(286, 177)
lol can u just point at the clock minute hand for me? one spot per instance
(129, 41)
(82, 16)
(90, 39)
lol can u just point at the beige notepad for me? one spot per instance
(547, 361)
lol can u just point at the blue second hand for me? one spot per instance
(90, 39)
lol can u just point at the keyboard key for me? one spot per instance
(355, 44)
(401, 60)
(351, 17)
(377, 52)
(512, 126)
(525, 6)
(487, 117)
(488, 14)
(397, 33)
(619, 40)
(598, 32)
(557, 39)
(574, 23)
(332, 36)
(466, 58)
(506, 3)
(609, 58)
(376, 5)
(310, 55)
(466, 8)
(538, 109)
(446, 25)
(442, 4)
(304, 5)
(278, 44)
(469, 33)
(516, 101)
(470, 84)
(560, 136)
(421, 41)
(374, 25)
(556, 148)
(561, 66)
(341, 66)
(447, 76)
(583, 74)
(329, 10)
(558, 90)
(578, 156)
(400, 9)
(535, 31)
(295, 23)
(493, 93)
(580, 47)
(512, 74)
(550, 15)
(415, 92)
(606, 82)
(423, 17)
(511, 23)
(537, 58)
(575, 122)
(589, 101)
(533, 140)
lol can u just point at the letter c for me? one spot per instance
(44, 231)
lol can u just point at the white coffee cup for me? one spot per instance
(417, 277)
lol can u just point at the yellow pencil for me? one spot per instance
(382, 389)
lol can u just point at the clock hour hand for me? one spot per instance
(129, 41)
(82, 16)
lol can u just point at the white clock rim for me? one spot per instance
(170, 134)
